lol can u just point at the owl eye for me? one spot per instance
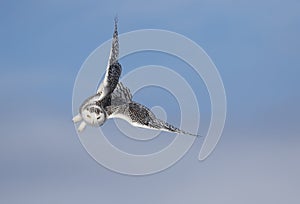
(98, 118)
(88, 116)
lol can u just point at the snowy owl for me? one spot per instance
(114, 100)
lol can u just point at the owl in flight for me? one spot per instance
(114, 100)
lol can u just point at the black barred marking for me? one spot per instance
(114, 55)
(120, 95)
(114, 69)
(94, 110)
(104, 102)
(139, 113)
(171, 127)
(115, 100)
(114, 73)
(142, 115)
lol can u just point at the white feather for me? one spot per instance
(81, 126)
(77, 118)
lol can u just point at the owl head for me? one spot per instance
(92, 113)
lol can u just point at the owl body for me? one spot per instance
(114, 100)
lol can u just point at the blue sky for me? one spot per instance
(255, 46)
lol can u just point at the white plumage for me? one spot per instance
(114, 100)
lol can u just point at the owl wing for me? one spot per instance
(140, 116)
(113, 70)
(121, 95)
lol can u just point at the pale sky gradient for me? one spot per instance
(255, 46)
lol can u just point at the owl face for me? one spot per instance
(93, 114)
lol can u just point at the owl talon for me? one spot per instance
(81, 126)
(77, 118)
